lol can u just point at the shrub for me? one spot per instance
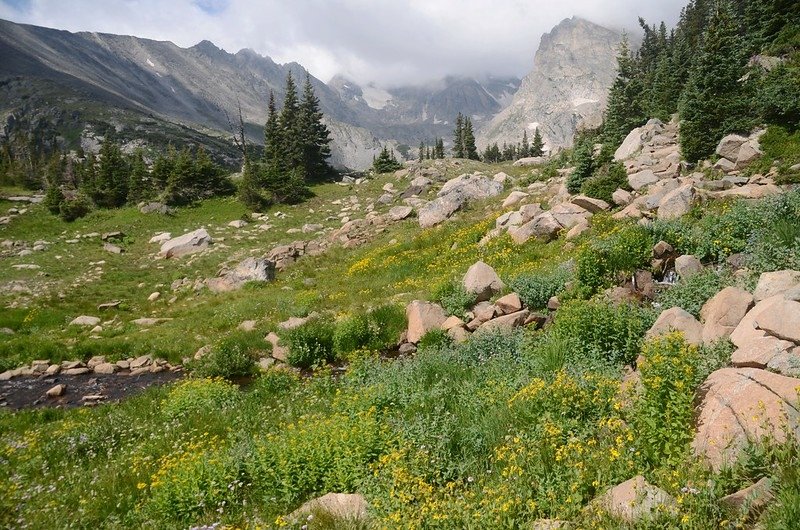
(691, 293)
(663, 413)
(433, 340)
(351, 334)
(605, 182)
(233, 356)
(536, 289)
(317, 454)
(310, 344)
(775, 243)
(453, 298)
(74, 208)
(602, 333)
(601, 261)
(194, 396)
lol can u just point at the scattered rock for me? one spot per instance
(160, 238)
(687, 266)
(676, 203)
(505, 322)
(773, 283)
(398, 213)
(248, 270)
(154, 296)
(782, 320)
(149, 322)
(247, 325)
(723, 313)
(482, 281)
(238, 223)
(350, 507)
(156, 207)
(422, 318)
(742, 406)
(589, 204)
(642, 179)
(751, 500)
(635, 500)
(85, 321)
(677, 319)
(105, 368)
(186, 244)
(513, 198)
(56, 391)
(508, 304)
(296, 322)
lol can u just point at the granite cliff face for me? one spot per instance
(573, 69)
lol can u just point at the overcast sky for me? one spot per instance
(390, 42)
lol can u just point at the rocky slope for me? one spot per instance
(567, 88)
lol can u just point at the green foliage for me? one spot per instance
(53, 199)
(537, 147)
(602, 334)
(624, 110)
(310, 344)
(782, 148)
(663, 413)
(778, 96)
(109, 189)
(386, 162)
(584, 165)
(535, 289)
(452, 296)
(621, 251)
(199, 396)
(433, 340)
(604, 182)
(691, 293)
(233, 356)
(774, 243)
(74, 207)
(305, 458)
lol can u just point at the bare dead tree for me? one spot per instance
(239, 138)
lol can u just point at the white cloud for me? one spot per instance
(387, 41)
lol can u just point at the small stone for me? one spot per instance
(75, 371)
(687, 266)
(154, 296)
(105, 368)
(85, 321)
(56, 391)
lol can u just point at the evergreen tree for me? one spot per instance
(386, 162)
(470, 151)
(714, 103)
(53, 179)
(584, 165)
(209, 179)
(525, 148)
(315, 136)
(291, 134)
(537, 147)
(439, 148)
(427, 153)
(179, 184)
(252, 188)
(421, 152)
(272, 135)
(162, 168)
(110, 188)
(624, 109)
(458, 138)
(139, 186)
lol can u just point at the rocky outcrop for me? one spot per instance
(568, 86)
(676, 319)
(248, 270)
(482, 281)
(454, 195)
(635, 500)
(186, 244)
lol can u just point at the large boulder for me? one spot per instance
(778, 282)
(723, 313)
(186, 244)
(677, 319)
(767, 352)
(439, 210)
(687, 266)
(782, 320)
(748, 153)
(513, 198)
(505, 322)
(742, 406)
(748, 329)
(422, 318)
(590, 204)
(630, 146)
(635, 500)
(676, 203)
(472, 187)
(249, 270)
(569, 214)
(544, 226)
(482, 281)
(642, 179)
(729, 146)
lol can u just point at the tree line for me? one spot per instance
(296, 151)
(702, 69)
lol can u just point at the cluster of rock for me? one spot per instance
(454, 195)
(481, 281)
(651, 155)
(96, 365)
(14, 211)
(757, 396)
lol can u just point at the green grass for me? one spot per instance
(498, 432)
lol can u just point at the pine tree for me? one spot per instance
(421, 152)
(386, 162)
(180, 182)
(162, 168)
(624, 110)
(525, 148)
(208, 178)
(139, 185)
(315, 136)
(470, 151)
(537, 147)
(427, 153)
(272, 135)
(713, 103)
(458, 138)
(439, 148)
(110, 188)
(583, 163)
(291, 134)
